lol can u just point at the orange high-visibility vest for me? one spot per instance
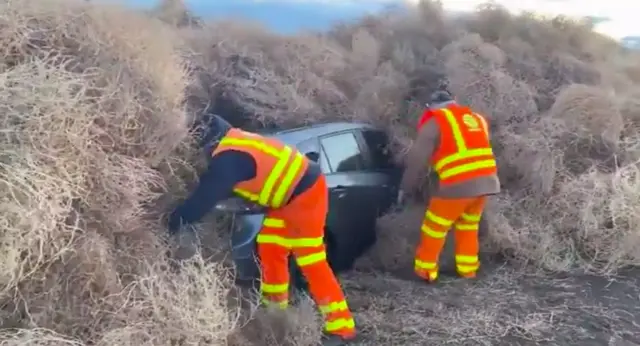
(279, 167)
(464, 152)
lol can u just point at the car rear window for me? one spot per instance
(343, 153)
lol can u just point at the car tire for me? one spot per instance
(298, 281)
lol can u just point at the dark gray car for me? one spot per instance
(363, 184)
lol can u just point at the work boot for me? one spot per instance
(428, 277)
(336, 340)
(471, 275)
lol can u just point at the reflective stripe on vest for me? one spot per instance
(462, 152)
(287, 168)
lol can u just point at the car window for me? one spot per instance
(311, 149)
(324, 163)
(343, 153)
(378, 144)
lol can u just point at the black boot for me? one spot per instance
(336, 340)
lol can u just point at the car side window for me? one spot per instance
(378, 144)
(311, 149)
(324, 163)
(343, 153)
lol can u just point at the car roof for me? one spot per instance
(300, 134)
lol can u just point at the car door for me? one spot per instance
(351, 211)
(383, 173)
(338, 195)
(341, 196)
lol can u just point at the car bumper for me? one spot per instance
(243, 245)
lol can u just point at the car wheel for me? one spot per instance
(298, 281)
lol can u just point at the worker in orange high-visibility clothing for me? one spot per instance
(454, 141)
(277, 176)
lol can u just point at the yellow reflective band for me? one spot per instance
(306, 242)
(425, 265)
(273, 223)
(334, 307)
(250, 143)
(463, 227)
(466, 259)
(281, 305)
(341, 323)
(471, 217)
(437, 219)
(287, 242)
(311, 259)
(279, 288)
(465, 269)
(462, 151)
(467, 168)
(455, 128)
(246, 194)
(285, 185)
(462, 155)
(433, 234)
(283, 160)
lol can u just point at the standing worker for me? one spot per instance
(274, 175)
(454, 141)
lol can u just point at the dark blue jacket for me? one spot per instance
(224, 171)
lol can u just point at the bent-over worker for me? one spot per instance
(277, 176)
(454, 141)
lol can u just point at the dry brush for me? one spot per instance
(95, 147)
(94, 133)
(563, 113)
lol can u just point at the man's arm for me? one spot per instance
(417, 158)
(216, 184)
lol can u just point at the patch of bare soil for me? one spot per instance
(504, 306)
(507, 304)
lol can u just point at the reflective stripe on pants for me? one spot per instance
(298, 229)
(464, 215)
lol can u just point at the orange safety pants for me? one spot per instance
(464, 215)
(298, 228)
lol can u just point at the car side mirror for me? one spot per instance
(313, 156)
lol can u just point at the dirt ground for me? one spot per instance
(502, 307)
(505, 305)
(508, 304)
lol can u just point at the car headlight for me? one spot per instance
(239, 206)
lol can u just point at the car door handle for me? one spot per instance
(340, 190)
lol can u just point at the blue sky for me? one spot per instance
(619, 16)
(282, 15)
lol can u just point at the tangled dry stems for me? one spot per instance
(96, 105)
(92, 124)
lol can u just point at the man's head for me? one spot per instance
(210, 130)
(439, 99)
